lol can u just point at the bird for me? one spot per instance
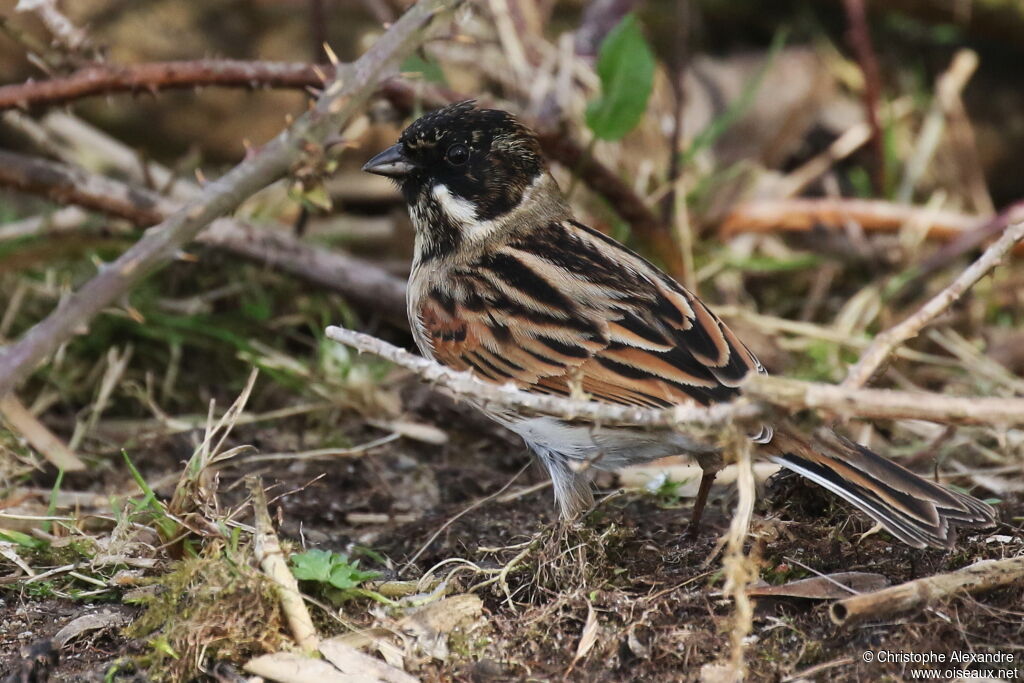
(507, 283)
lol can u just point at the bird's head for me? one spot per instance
(469, 173)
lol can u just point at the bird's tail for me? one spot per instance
(915, 510)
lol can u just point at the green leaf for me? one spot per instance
(331, 568)
(347, 575)
(24, 540)
(625, 65)
(428, 70)
(313, 565)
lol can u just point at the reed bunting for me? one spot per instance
(508, 284)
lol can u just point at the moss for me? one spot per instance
(211, 606)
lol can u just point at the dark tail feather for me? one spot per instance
(918, 512)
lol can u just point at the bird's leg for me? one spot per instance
(710, 464)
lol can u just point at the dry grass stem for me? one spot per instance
(38, 435)
(740, 570)
(947, 94)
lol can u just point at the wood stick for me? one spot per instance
(884, 343)
(340, 101)
(920, 593)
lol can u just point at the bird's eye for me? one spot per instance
(457, 154)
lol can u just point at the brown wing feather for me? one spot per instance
(566, 307)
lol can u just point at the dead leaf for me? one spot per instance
(589, 635)
(829, 587)
(351, 661)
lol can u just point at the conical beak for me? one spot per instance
(391, 163)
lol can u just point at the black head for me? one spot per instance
(484, 158)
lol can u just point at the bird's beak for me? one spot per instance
(391, 163)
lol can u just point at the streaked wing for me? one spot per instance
(567, 307)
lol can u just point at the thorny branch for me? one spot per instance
(106, 79)
(156, 76)
(885, 342)
(57, 23)
(345, 96)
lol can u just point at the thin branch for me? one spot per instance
(965, 242)
(860, 40)
(48, 444)
(107, 79)
(787, 394)
(362, 282)
(345, 96)
(884, 343)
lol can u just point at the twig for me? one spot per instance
(271, 558)
(64, 220)
(965, 242)
(788, 394)
(980, 576)
(885, 342)
(464, 384)
(361, 281)
(107, 79)
(860, 40)
(344, 97)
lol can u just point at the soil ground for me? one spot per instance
(659, 611)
